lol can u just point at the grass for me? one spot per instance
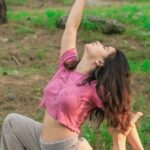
(144, 132)
(135, 16)
(140, 66)
(19, 71)
(23, 30)
(33, 69)
(136, 66)
(45, 18)
(17, 2)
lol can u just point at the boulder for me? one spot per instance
(108, 26)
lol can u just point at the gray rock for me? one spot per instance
(10, 97)
(107, 26)
(103, 25)
(60, 23)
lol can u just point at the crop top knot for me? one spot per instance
(64, 100)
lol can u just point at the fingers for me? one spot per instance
(135, 117)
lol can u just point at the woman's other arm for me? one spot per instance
(134, 139)
(72, 24)
(119, 139)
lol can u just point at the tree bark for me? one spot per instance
(3, 12)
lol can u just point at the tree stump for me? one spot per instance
(3, 12)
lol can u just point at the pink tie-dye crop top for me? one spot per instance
(67, 102)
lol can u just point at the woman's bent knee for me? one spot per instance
(9, 119)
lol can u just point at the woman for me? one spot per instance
(97, 86)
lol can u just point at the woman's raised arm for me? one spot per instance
(73, 22)
(134, 139)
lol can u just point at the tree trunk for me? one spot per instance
(3, 12)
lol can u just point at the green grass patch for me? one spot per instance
(134, 15)
(97, 136)
(136, 67)
(140, 66)
(35, 68)
(41, 53)
(23, 30)
(129, 14)
(89, 134)
(144, 132)
(44, 18)
(17, 71)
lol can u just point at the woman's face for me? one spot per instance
(98, 51)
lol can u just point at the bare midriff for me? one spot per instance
(52, 130)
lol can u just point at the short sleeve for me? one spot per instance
(68, 55)
(94, 96)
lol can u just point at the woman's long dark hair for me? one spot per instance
(114, 77)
